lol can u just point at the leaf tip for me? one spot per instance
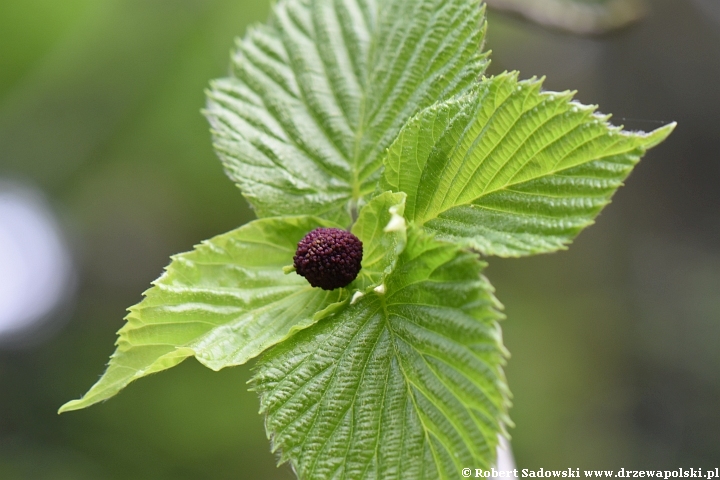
(659, 135)
(71, 406)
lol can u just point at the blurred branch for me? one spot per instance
(576, 16)
(711, 8)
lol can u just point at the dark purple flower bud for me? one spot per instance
(329, 258)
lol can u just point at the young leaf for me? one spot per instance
(229, 299)
(382, 229)
(405, 383)
(224, 303)
(315, 98)
(509, 169)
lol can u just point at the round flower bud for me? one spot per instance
(329, 258)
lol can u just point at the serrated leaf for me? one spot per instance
(511, 170)
(316, 97)
(405, 383)
(224, 303)
(230, 299)
(382, 229)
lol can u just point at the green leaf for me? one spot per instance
(315, 98)
(405, 383)
(231, 298)
(511, 170)
(224, 303)
(382, 229)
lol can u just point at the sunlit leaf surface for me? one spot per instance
(318, 94)
(509, 169)
(405, 383)
(224, 303)
(374, 116)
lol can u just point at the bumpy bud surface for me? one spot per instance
(329, 258)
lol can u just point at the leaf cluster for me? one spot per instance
(376, 116)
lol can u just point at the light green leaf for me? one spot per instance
(315, 98)
(224, 303)
(382, 229)
(405, 383)
(230, 298)
(511, 170)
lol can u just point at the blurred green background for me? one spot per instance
(615, 343)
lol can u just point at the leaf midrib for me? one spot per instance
(408, 385)
(360, 133)
(351, 404)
